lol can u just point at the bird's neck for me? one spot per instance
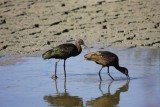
(78, 47)
(119, 68)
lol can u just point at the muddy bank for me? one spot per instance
(28, 27)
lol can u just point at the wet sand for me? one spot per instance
(34, 26)
(29, 83)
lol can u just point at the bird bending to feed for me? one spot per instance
(106, 59)
(64, 51)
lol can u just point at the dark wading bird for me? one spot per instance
(106, 59)
(64, 51)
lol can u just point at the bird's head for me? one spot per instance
(81, 42)
(125, 72)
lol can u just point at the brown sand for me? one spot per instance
(31, 26)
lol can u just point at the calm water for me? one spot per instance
(28, 83)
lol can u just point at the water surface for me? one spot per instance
(28, 83)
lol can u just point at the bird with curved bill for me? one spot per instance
(64, 51)
(106, 59)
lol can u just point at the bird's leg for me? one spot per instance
(100, 74)
(109, 74)
(55, 76)
(64, 65)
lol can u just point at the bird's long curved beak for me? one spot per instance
(86, 47)
(128, 77)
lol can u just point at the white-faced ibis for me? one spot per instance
(106, 59)
(64, 51)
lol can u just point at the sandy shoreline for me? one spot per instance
(34, 26)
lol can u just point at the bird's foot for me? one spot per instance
(54, 77)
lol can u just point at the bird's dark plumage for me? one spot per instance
(106, 58)
(64, 51)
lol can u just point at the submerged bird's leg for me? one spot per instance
(100, 74)
(55, 76)
(64, 65)
(109, 74)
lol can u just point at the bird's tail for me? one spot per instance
(47, 55)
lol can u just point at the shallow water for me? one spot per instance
(28, 83)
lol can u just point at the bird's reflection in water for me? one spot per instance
(108, 99)
(63, 99)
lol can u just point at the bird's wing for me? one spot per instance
(63, 50)
(106, 57)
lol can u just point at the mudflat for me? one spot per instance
(34, 26)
